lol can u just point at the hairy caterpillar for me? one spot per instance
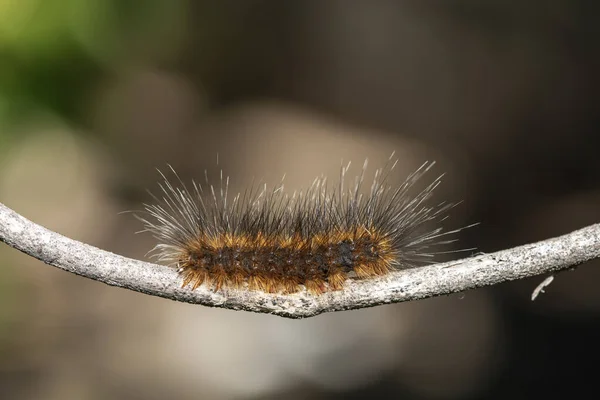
(265, 239)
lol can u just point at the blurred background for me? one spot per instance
(96, 94)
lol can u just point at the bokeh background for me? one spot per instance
(96, 94)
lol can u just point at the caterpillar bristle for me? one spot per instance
(336, 279)
(265, 239)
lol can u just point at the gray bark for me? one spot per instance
(547, 256)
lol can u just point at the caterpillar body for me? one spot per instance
(266, 239)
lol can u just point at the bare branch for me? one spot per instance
(520, 262)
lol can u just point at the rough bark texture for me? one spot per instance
(520, 262)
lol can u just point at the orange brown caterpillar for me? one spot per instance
(270, 241)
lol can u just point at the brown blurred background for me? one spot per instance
(96, 94)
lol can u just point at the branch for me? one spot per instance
(520, 262)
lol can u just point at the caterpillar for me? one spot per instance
(266, 239)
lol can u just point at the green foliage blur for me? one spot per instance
(52, 52)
